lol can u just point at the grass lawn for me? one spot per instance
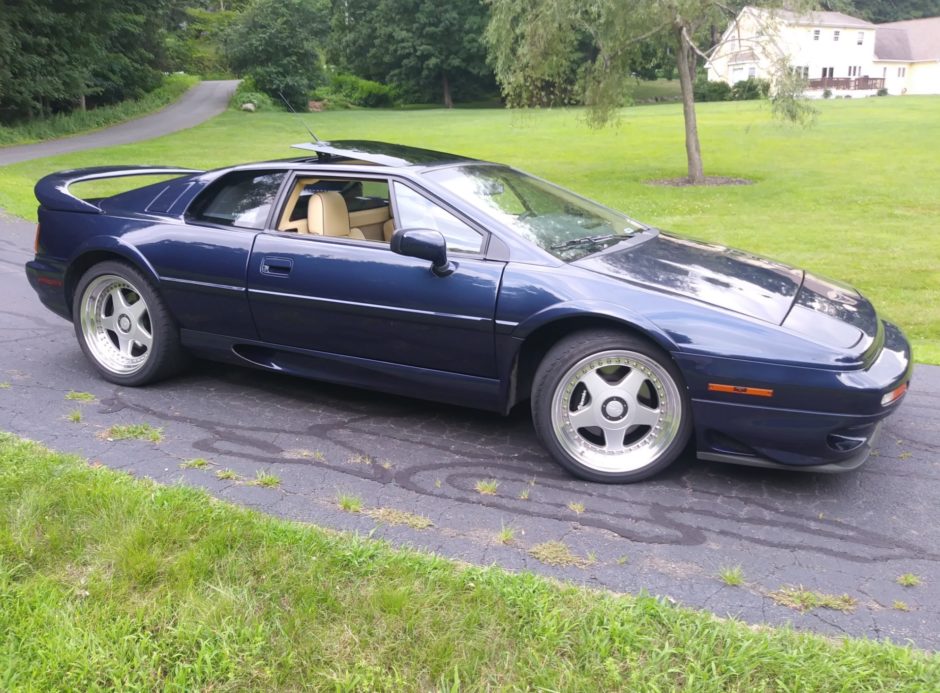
(61, 125)
(854, 198)
(107, 582)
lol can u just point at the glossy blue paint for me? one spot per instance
(354, 312)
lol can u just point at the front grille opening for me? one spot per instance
(723, 443)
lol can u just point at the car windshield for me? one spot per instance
(565, 224)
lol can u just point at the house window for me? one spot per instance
(861, 38)
(815, 34)
(751, 72)
(806, 72)
(902, 71)
(884, 72)
(851, 70)
(835, 35)
(828, 72)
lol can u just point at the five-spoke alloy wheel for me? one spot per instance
(123, 325)
(610, 407)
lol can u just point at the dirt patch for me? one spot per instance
(709, 180)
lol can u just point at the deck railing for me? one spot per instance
(847, 83)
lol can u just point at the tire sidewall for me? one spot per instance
(560, 358)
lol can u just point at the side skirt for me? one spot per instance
(394, 378)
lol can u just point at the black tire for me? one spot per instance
(593, 452)
(162, 358)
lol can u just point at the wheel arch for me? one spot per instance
(93, 254)
(540, 339)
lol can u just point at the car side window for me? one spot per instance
(418, 212)
(242, 198)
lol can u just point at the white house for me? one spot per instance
(833, 51)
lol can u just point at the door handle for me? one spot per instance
(276, 266)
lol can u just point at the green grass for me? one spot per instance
(266, 480)
(557, 553)
(228, 475)
(74, 396)
(133, 432)
(853, 198)
(486, 487)
(803, 599)
(908, 580)
(61, 125)
(75, 416)
(506, 534)
(195, 463)
(107, 582)
(349, 503)
(393, 516)
(732, 576)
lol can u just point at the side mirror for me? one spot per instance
(424, 244)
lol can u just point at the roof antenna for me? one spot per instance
(306, 127)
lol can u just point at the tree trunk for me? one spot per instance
(448, 101)
(693, 152)
(81, 103)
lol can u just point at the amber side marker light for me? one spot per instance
(740, 390)
(894, 395)
(36, 241)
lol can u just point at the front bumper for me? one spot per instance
(836, 434)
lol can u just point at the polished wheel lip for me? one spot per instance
(128, 323)
(664, 422)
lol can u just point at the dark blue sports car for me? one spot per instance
(450, 279)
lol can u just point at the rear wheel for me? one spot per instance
(610, 407)
(124, 327)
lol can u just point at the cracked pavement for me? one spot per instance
(853, 533)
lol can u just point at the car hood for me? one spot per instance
(747, 284)
(755, 286)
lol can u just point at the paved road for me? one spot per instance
(849, 534)
(200, 103)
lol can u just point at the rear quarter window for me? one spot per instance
(241, 198)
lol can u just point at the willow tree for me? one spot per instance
(532, 45)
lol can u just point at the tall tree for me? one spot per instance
(278, 44)
(531, 43)
(880, 11)
(421, 46)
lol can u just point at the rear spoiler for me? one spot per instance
(52, 191)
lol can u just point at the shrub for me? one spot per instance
(248, 92)
(882, 92)
(704, 90)
(360, 92)
(750, 89)
(827, 93)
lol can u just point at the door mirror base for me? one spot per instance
(424, 244)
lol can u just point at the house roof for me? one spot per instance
(745, 56)
(911, 40)
(833, 19)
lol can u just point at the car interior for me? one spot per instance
(340, 208)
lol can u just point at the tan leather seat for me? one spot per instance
(327, 215)
(388, 228)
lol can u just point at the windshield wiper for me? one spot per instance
(590, 240)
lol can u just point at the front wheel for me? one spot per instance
(610, 407)
(124, 327)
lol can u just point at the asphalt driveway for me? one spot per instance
(852, 534)
(200, 103)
